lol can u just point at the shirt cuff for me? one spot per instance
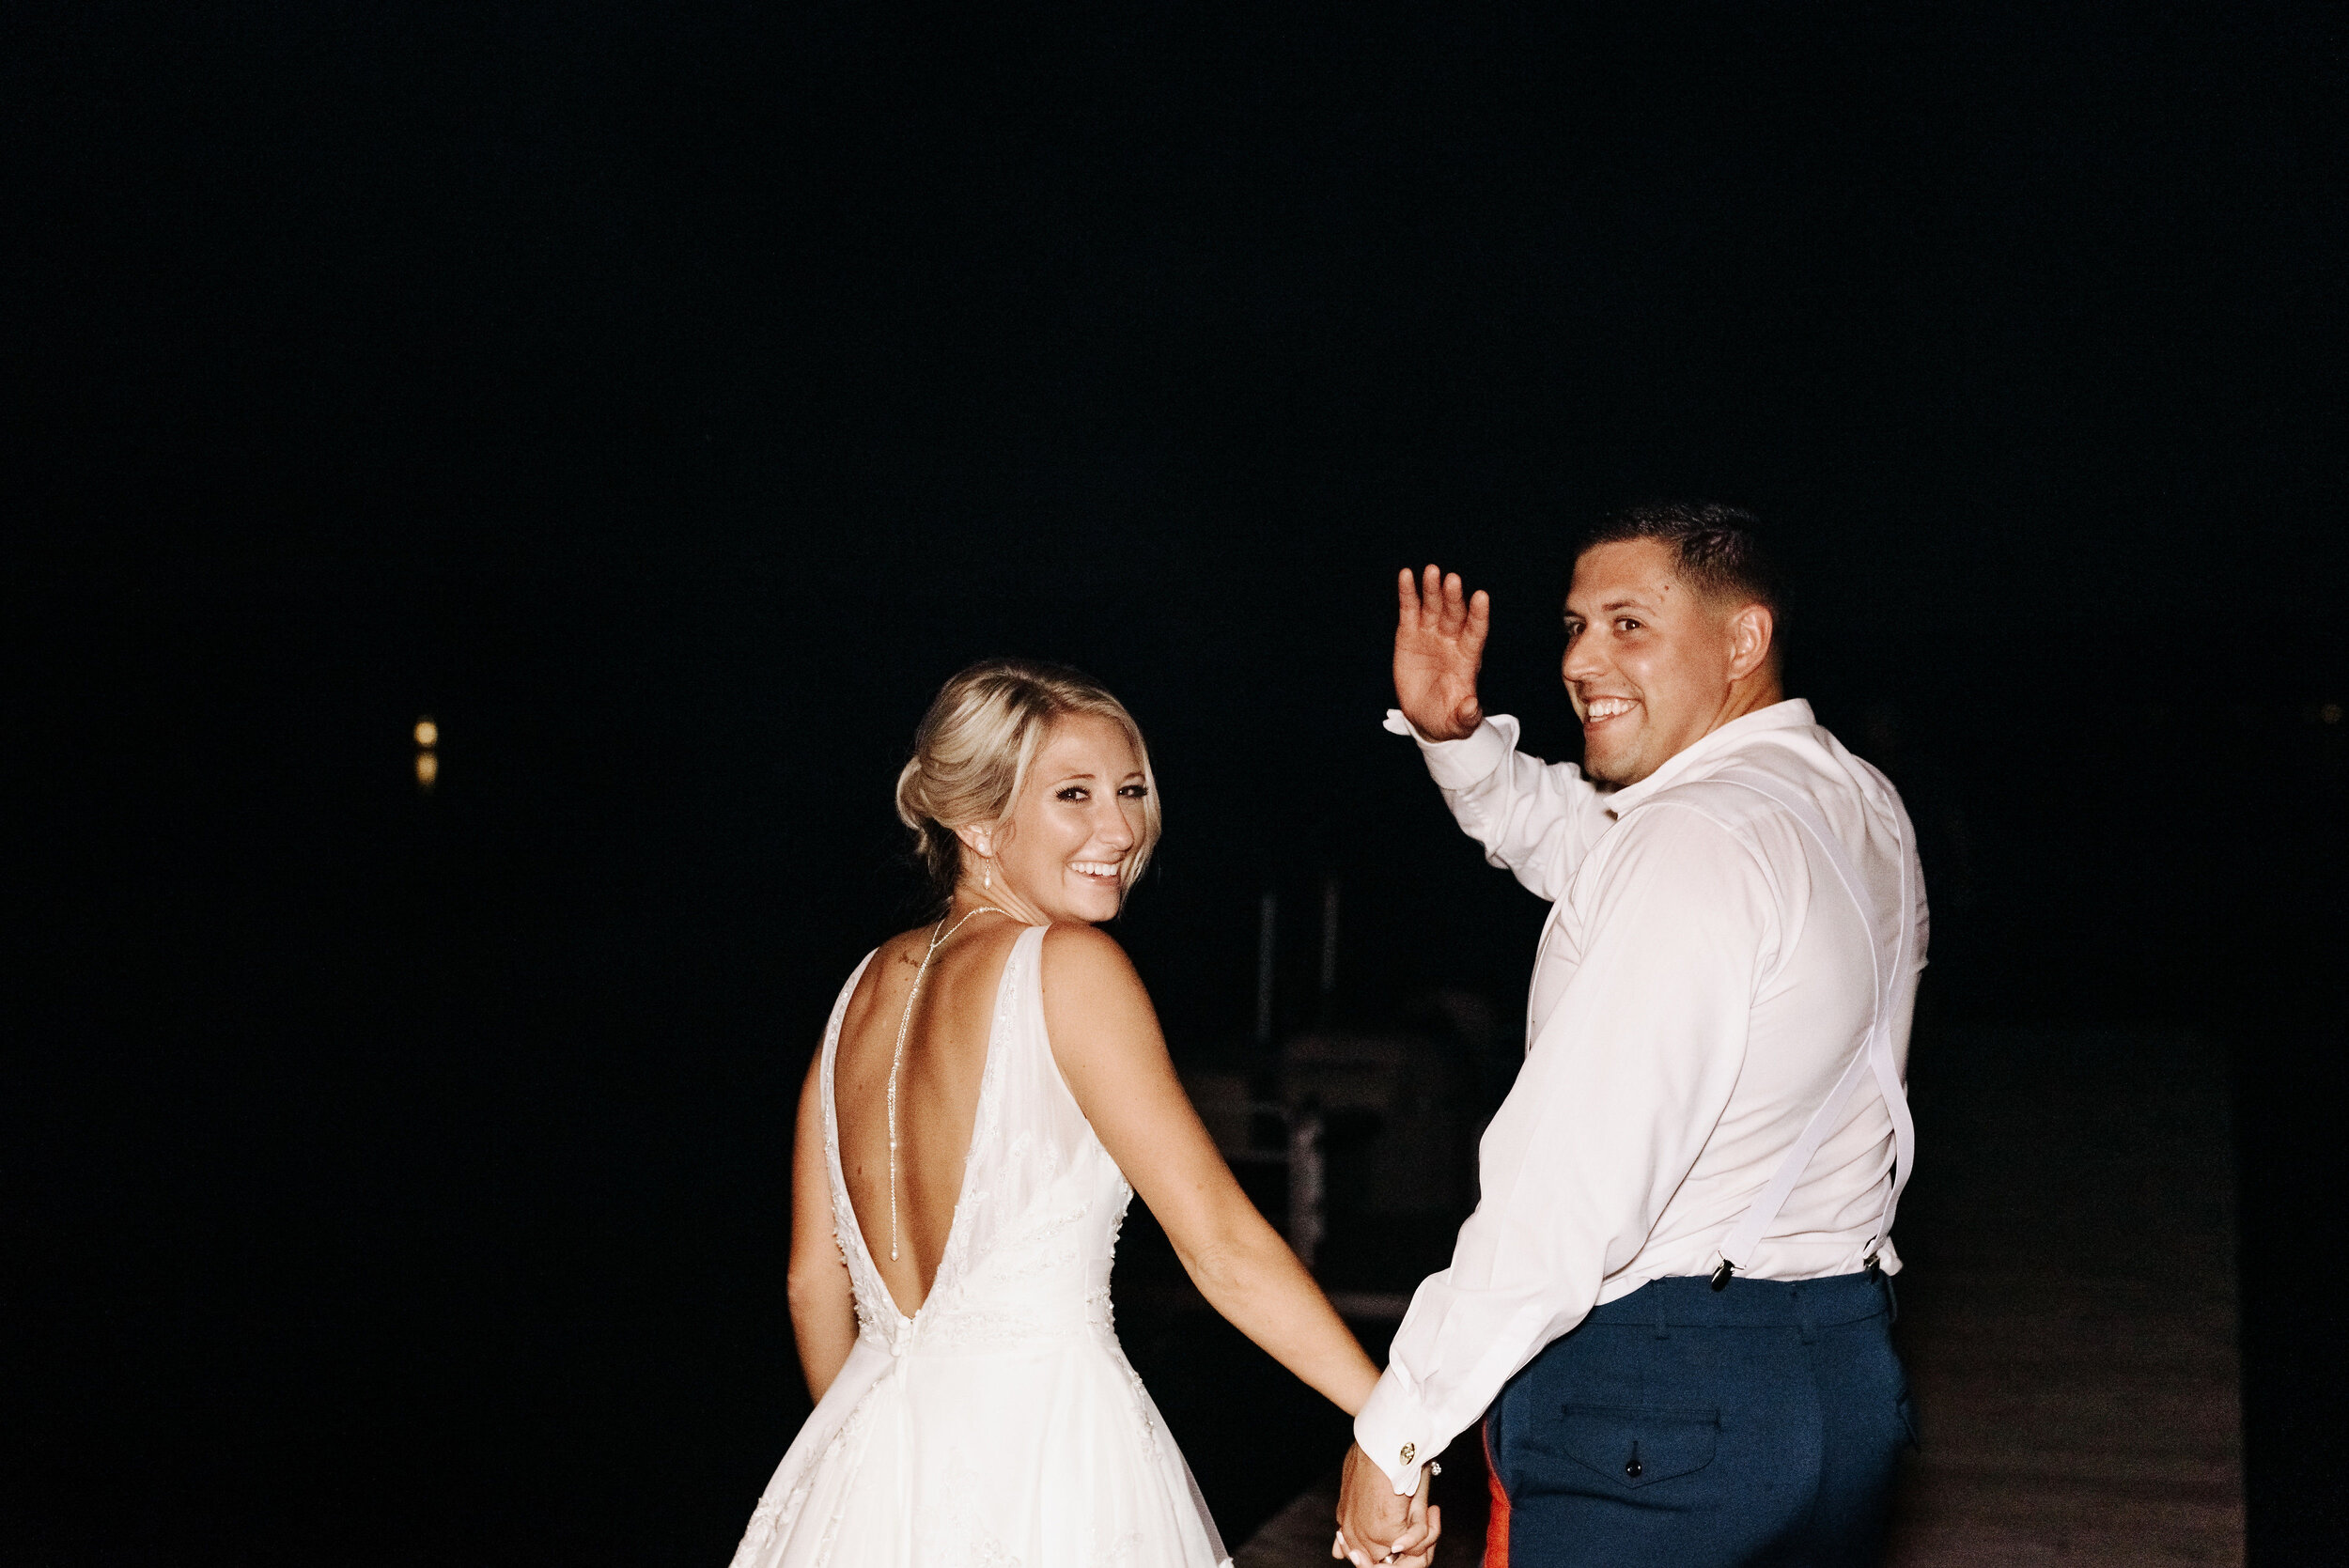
(1393, 1431)
(1458, 764)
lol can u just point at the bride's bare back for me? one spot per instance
(938, 1091)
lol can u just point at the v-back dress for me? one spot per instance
(1000, 1426)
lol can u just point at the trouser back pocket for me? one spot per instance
(1639, 1445)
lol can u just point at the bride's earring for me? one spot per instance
(986, 876)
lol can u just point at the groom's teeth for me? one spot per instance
(1607, 707)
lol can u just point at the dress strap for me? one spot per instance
(1889, 960)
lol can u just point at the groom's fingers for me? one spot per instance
(1419, 1549)
(1435, 600)
(1417, 1531)
(1415, 1555)
(1480, 621)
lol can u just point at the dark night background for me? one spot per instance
(666, 398)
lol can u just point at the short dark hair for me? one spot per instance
(1718, 548)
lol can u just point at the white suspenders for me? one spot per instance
(1890, 960)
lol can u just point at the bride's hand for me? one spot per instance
(1414, 1543)
(1414, 1548)
(1438, 647)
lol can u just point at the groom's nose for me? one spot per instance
(1581, 662)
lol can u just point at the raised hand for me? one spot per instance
(1439, 646)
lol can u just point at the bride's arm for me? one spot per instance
(1105, 1036)
(823, 1306)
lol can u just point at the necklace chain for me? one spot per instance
(939, 939)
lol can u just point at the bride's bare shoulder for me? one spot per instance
(1085, 960)
(1090, 990)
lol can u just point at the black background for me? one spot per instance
(667, 397)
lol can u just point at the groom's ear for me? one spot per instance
(1752, 634)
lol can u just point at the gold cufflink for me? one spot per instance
(1408, 1450)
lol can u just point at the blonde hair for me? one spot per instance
(973, 749)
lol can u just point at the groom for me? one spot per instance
(1670, 1309)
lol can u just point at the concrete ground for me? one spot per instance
(2068, 1315)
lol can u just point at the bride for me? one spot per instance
(991, 1091)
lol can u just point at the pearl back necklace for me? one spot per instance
(939, 939)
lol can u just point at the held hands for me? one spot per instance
(1438, 647)
(1375, 1527)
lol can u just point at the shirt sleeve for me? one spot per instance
(1614, 1103)
(1534, 818)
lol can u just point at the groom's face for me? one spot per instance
(1647, 662)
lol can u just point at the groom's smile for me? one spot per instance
(1606, 722)
(1597, 710)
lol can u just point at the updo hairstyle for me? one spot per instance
(973, 749)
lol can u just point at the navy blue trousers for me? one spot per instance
(1681, 1425)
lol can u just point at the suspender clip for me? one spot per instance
(1891, 1292)
(1720, 1275)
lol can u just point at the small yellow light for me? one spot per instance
(428, 768)
(2330, 713)
(428, 732)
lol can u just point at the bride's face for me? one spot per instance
(1063, 850)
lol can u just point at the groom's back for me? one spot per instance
(1811, 1007)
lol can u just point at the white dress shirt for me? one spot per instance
(1701, 982)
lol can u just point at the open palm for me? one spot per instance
(1439, 634)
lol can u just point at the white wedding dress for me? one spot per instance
(1000, 1426)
